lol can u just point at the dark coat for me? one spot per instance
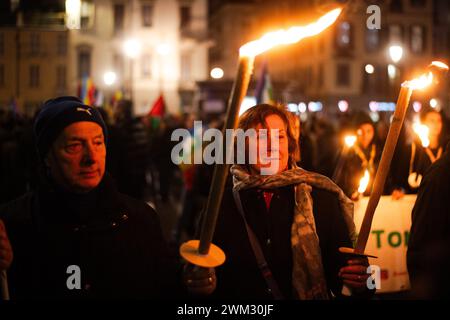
(240, 276)
(353, 171)
(428, 255)
(114, 239)
(421, 163)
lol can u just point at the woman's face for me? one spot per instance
(366, 133)
(433, 121)
(272, 146)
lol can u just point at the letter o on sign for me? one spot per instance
(395, 239)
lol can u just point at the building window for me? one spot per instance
(84, 63)
(372, 40)
(417, 39)
(185, 67)
(396, 6)
(395, 34)
(2, 75)
(147, 15)
(34, 76)
(87, 14)
(343, 75)
(62, 44)
(146, 63)
(2, 43)
(344, 35)
(185, 16)
(119, 17)
(34, 44)
(61, 75)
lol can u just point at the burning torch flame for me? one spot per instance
(350, 141)
(422, 132)
(364, 182)
(289, 36)
(426, 79)
(439, 65)
(419, 83)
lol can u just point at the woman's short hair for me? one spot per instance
(258, 114)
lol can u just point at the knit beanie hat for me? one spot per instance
(58, 113)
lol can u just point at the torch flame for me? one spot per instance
(350, 141)
(364, 182)
(419, 83)
(292, 35)
(439, 65)
(422, 132)
(426, 79)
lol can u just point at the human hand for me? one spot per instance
(355, 275)
(199, 280)
(397, 194)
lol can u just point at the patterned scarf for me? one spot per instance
(308, 277)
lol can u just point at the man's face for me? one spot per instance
(77, 157)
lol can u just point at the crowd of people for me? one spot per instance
(86, 173)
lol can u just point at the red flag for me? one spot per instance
(158, 108)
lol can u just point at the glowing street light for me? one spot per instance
(433, 103)
(369, 68)
(109, 78)
(73, 14)
(216, 73)
(396, 53)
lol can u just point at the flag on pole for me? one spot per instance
(87, 91)
(159, 108)
(157, 111)
(264, 91)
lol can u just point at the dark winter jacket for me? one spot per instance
(115, 241)
(240, 276)
(428, 255)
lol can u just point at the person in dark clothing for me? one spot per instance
(363, 157)
(420, 155)
(132, 147)
(281, 226)
(305, 152)
(77, 220)
(428, 256)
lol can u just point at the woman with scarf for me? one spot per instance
(363, 157)
(421, 156)
(280, 226)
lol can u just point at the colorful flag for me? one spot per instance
(87, 91)
(158, 108)
(264, 91)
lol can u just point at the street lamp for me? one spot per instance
(109, 78)
(132, 49)
(396, 53)
(216, 73)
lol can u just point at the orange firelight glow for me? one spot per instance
(289, 36)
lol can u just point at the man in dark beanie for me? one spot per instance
(76, 236)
